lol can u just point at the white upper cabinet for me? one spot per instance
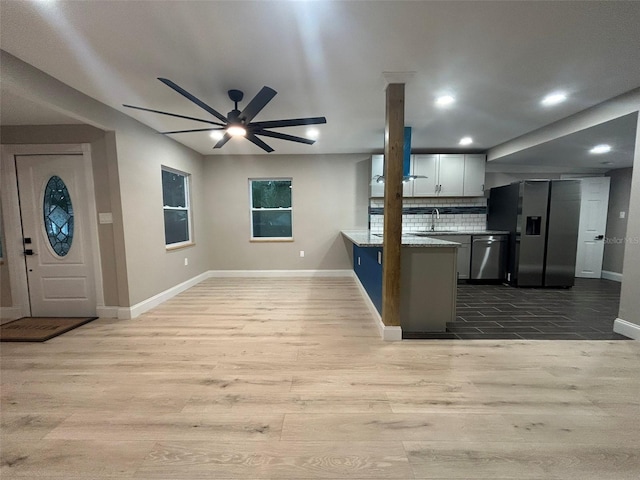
(451, 175)
(377, 169)
(474, 171)
(425, 165)
(447, 175)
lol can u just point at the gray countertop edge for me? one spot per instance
(364, 238)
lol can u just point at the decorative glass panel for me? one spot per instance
(58, 215)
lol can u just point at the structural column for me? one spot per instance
(393, 155)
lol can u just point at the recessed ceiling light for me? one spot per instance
(216, 134)
(554, 99)
(445, 100)
(313, 133)
(466, 141)
(604, 148)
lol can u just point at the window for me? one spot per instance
(177, 211)
(271, 209)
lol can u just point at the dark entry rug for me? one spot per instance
(39, 329)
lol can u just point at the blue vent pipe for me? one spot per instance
(406, 152)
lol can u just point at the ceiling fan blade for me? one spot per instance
(174, 115)
(194, 130)
(291, 122)
(225, 138)
(252, 138)
(193, 98)
(284, 136)
(258, 102)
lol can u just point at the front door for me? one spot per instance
(55, 227)
(593, 223)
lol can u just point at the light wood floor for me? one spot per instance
(288, 379)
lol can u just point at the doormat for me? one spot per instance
(39, 329)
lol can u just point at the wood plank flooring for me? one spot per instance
(287, 379)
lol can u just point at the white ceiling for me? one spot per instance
(328, 58)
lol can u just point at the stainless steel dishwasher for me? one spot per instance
(488, 253)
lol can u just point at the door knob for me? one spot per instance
(29, 251)
(599, 237)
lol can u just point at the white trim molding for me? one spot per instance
(280, 273)
(387, 333)
(627, 329)
(107, 312)
(615, 276)
(146, 305)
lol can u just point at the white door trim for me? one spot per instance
(13, 226)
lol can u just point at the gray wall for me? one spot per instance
(330, 193)
(616, 226)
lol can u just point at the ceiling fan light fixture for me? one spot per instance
(237, 131)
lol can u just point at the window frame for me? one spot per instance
(253, 238)
(187, 193)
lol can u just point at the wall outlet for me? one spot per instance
(622, 214)
(301, 253)
(186, 261)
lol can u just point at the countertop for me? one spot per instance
(364, 238)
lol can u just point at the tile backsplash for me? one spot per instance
(456, 213)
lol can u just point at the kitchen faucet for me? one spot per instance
(433, 219)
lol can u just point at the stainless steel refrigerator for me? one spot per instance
(542, 218)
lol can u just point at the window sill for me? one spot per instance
(270, 240)
(179, 246)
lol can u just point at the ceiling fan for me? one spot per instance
(238, 123)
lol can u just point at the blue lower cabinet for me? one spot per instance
(367, 263)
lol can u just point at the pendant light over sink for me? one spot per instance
(406, 161)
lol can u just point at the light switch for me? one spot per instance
(622, 214)
(105, 217)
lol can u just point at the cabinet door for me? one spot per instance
(451, 175)
(464, 253)
(377, 169)
(407, 188)
(425, 165)
(474, 167)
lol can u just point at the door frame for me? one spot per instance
(14, 247)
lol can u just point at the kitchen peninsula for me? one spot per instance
(428, 280)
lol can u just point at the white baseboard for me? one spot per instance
(387, 333)
(8, 314)
(627, 329)
(146, 305)
(280, 273)
(616, 277)
(107, 312)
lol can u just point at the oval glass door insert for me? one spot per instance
(58, 215)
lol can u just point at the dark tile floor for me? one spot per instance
(584, 312)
